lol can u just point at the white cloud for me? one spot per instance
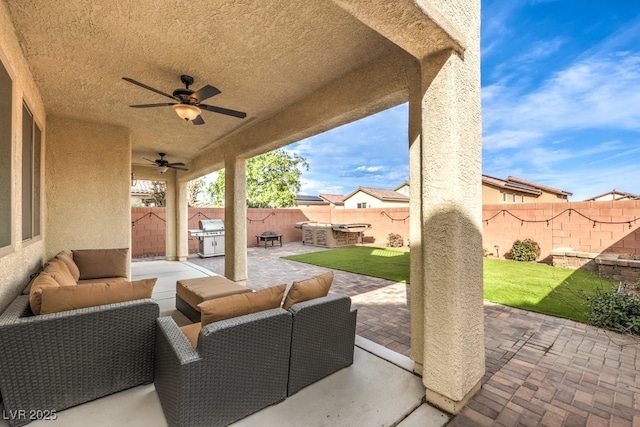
(369, 169)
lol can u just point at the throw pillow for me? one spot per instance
(35, 294)
(68, 261)
(304, 290)
(230, 306)
(59, 271)
(65, 298)
(97, 263)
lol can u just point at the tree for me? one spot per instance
(159, 194)
(273, 180)
(194, 188)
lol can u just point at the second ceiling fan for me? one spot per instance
(187, 102)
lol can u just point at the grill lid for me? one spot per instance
(211, 224)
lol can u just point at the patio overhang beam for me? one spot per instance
(416, 26)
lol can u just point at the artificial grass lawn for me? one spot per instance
(527, 285)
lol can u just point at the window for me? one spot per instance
(504, 197)
(514, 198)
(6, 164)
(31, 153)
(362, 205)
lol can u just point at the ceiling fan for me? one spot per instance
(164, 165)
(187, 103)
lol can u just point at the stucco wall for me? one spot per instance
(20, 258)
(87, 173)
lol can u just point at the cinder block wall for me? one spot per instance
(587, 227)
(550, 224)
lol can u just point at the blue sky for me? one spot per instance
(560, 100)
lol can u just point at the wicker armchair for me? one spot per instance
(239, 366)
(51, 362)
(322, 340)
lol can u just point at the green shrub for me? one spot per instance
(615, 310)
(525, 250)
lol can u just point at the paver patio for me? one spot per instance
(540, 370)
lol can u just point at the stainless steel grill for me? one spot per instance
(210, 235)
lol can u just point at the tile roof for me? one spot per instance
(380, 194)
(614, 193)
(336, 199)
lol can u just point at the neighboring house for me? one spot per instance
(141, 193)
(517, 190)
(403, 188)
(368, 197)
(494, 190)
(613, 195)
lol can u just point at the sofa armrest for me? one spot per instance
(75, 356)
(239, 366)
(322, 340)
(173, 341)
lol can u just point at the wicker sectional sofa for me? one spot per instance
(239, 365)
(53, 361)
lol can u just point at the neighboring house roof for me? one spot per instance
(406, 183)
(615, 195)
(380, 194)
(335, 199)
(142, 188)
(522, 185)
(513, 179)
(501, 183)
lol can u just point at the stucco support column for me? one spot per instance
(235, 219)
(182, 221)
(446, 281)
(176, 212)
(171, 217)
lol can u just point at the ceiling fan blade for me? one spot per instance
(175, 164)
(178, 167)
(205, 92)
(164, 104)
(198, 121)
(142, 85)
(220, 110)
(149, 160)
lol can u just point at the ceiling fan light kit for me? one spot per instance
(187, 111)
(187, 103)
(163, 165)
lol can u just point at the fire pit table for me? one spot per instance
(268, 236)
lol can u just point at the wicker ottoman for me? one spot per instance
(191, 292)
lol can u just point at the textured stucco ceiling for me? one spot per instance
(262, 55)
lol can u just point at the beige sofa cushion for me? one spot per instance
(68, 261)
(59, 271)
(304, 290)
(191, 332)
(96, 263)
(241, 304)
(35, 294)
(63, 298)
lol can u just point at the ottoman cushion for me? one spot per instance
(195, 291)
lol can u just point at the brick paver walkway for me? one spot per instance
(540, 370)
